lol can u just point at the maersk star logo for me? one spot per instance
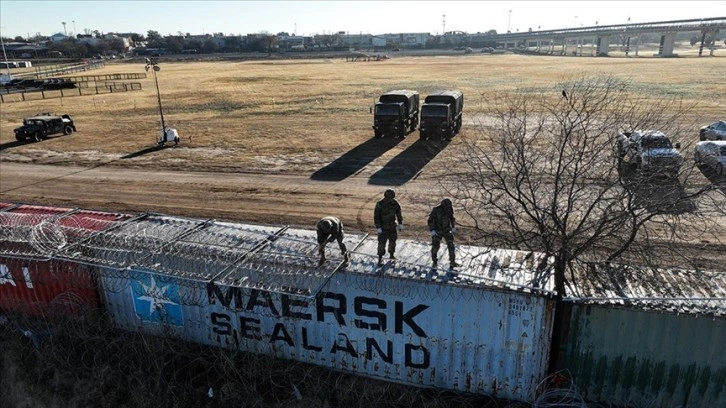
(156, 299)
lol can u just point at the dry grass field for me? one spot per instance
(272, 141)
(287, 118)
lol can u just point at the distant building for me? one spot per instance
(58, 37)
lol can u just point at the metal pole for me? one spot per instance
(7, 66)
(158, 95)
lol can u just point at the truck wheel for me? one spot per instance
(378, 134)
(402, 135)
(37, 137)
(67, 130)
(19, 138)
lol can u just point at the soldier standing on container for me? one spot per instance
(331, 229)
(442, 225)
(387, 212)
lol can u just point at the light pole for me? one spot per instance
(64, 28)
(153, 65)
(74, 28)
(509, 21)
(5, 56)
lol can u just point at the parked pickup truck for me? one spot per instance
(649, 151)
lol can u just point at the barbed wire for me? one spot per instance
(281, 260)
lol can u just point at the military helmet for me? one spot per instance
(325, 226)
(389, 194)
(446, 205)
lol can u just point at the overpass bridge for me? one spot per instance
(601, 37)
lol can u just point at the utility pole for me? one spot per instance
(443, 24)
(7, 65)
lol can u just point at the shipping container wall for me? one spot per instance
(414, 332)
(153, 303)
(637, 358)
(47, 288)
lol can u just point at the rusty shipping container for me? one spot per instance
(32, 280)
(483, 329)
(47, 288)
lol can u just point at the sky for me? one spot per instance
(26, 18)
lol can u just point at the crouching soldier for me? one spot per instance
(331, 229)
(442, 225)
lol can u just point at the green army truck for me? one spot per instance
(441, 114)
(396, 113)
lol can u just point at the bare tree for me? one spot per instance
(544, 174)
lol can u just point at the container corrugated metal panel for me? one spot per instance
(666, 290)
(401, 325)
(47, 288)
(415, 332)
(481, 266)
(141, 300)
(637, 358)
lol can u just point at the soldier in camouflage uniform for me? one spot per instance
(331, 229)
(442, 225)
(385, 215)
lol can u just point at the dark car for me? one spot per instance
(714, 131)
(58, 83)
(39, 127)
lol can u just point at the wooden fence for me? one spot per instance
(55, 70)
(106, 88)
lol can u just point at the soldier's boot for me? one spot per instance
(321, 261)
(380, 260)
(435, 263)
(392, 256)
(453, 264)
(346, 260)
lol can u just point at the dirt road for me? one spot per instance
(269, 199)
(245, 197)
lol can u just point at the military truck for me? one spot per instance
(441, 114)
(39, 127)
(396, 113)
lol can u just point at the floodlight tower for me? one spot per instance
(154, 66)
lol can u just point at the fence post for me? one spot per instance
(62, 93)
(79, 91)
